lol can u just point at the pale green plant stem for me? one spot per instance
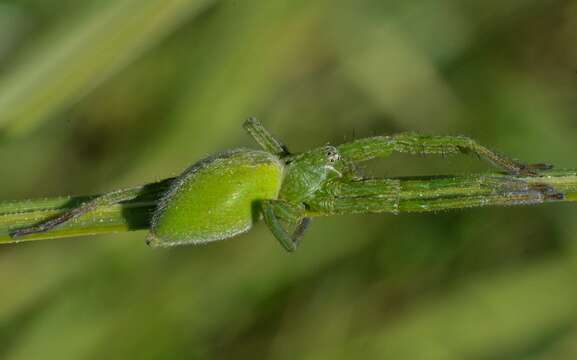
(129, 215)
(417, 194)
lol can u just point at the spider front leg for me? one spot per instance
(416, 144)
(406, 195)
(277, 211)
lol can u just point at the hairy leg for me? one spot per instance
(428, 195)
(277, 211)
(265, 138)
(411, 143)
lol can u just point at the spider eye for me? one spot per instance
(332, 154)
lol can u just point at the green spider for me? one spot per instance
(223, 195)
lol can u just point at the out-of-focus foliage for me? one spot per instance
(476, 284)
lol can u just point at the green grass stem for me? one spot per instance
(418, 194)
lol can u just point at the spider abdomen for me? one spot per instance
(216, 198)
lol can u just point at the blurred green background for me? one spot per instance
(99, 95)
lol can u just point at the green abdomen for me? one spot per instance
(216, 198)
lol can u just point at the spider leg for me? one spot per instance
(416, 144)
(100, 201)
(275, 211)
(429, 195)
(376, 204)
(264, 138)
(358, 197)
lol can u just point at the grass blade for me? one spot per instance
(86, 53)
(135, 214)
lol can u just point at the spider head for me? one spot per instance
(307, 173)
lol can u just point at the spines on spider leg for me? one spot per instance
(264, 138)
(461, 185)
(471, 201)
(420, 144)
(430, 194)
(478, 191)
(367, 148)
